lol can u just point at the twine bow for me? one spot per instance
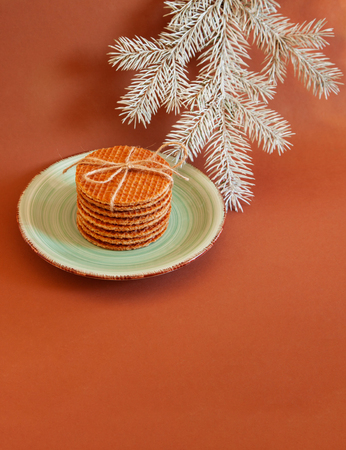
(143, 165)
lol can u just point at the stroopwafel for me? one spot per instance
(124, 196)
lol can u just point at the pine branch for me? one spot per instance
(191, 36)
(262, 125)
(194, 129)
(283, 41)
(166, 75)
(316, 71)
(136, 54)
(310, 35)
(228, 163)
(226, 103)
(266, 6)
(144, 96)
(176, 85)
(183, 10)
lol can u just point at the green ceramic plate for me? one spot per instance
(46, 217)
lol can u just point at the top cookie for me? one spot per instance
(139, 187)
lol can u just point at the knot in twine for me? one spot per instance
(142, 165)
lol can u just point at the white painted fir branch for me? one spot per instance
(225, 107)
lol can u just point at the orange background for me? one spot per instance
(245, 348)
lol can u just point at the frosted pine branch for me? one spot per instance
(136, 54)
(310, 35)
(194, 129)
(226, 105)
(316, 71)
(283, 41)
(228, 163)
(262, 125)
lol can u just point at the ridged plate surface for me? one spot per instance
(47, 221)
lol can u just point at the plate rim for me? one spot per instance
(118, 277)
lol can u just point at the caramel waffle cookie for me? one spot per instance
(121, 224)
(122, 235)
(123, 208)
(137, 188)
(121, 241)
(108, 246)
(99, 211)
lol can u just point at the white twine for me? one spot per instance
(139, 164)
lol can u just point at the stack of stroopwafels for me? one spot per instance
(123, 197)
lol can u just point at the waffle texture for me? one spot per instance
(118, 247)
(124, 237)
(122, 224)
(134, 214)
(139, 188)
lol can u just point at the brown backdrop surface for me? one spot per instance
(242, 349)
